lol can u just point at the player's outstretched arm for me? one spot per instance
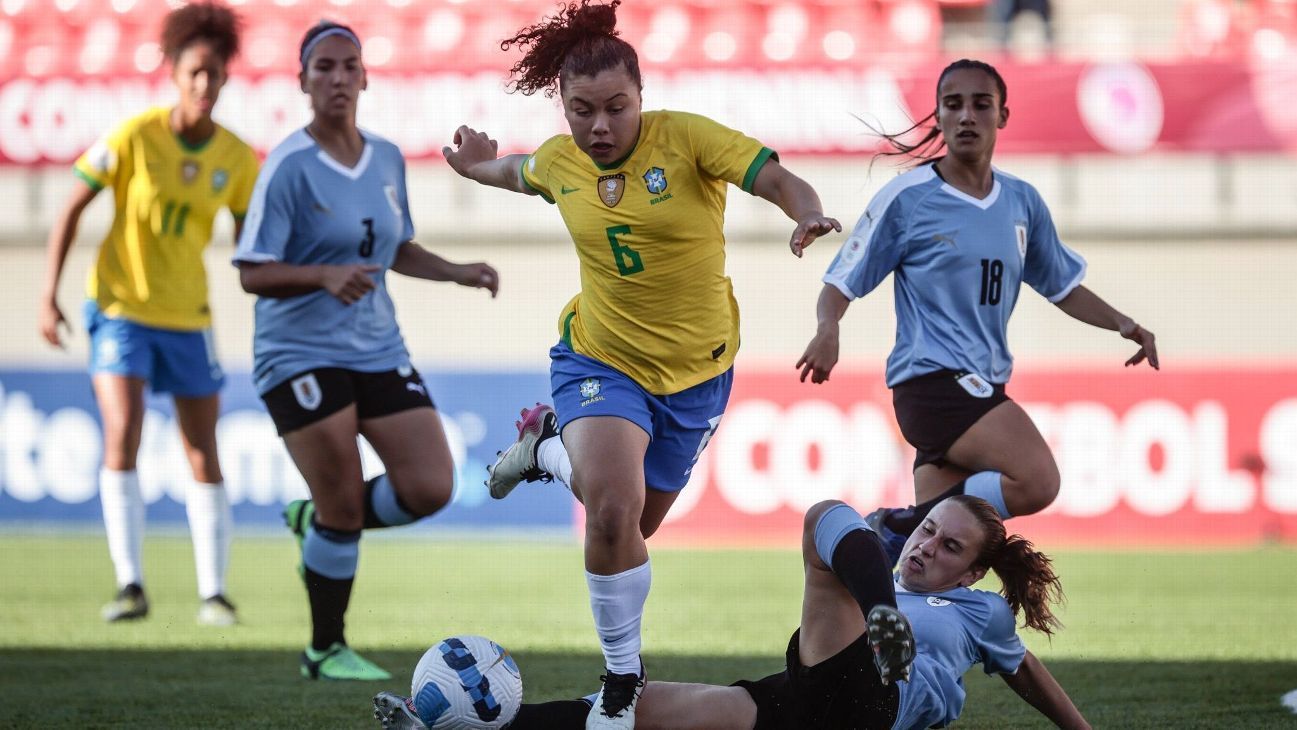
(1088, 307)
(1037, 686)
(822, 352)
(415, 261)
(798, 200)
(345, 282)
(60, 241)
(474, 157)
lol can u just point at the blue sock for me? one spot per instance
(331, 553)
(329, 558)
(988, 486)
(383, 507)
(857, 556)
(834, 525)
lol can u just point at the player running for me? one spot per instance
(873, 650)
(961, 238)
(642, 372)
(329, 218)
(172, 169)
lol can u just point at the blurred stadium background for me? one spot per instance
(1161, 133)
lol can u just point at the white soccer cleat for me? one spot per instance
(217, 611)
(614, 706)
(395, 712)
(518, 462)
(892, 640)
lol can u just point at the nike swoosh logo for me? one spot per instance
(565, 190)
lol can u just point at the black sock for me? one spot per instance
(906, 521)
(371, 515)
(861, 563)
(559, 715)
(329, 598)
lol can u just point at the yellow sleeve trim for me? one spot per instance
(522, 174)
(94, 184)
(750, 176)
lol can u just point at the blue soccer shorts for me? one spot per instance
(679, 425)
(179, 362)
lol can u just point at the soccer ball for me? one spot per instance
(467, 683)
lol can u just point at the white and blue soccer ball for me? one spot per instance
(467, 683)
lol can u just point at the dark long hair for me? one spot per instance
(206, 21)
(1030, 584)
(929, 147)
(316, 30)
(581, 40)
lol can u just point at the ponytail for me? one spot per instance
(1031, 586)
(581, 40)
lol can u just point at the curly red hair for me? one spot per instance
(208, 21)
(581, 40)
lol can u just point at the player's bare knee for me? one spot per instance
(611, 522)
(425, 495)
(1035, 489)
(1047, 482)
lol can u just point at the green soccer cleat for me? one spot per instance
(395, 712)
(130, 604)
(297, 516)
(217, 611)
(340, 662)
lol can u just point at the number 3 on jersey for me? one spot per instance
(628, 259)
(367, 243)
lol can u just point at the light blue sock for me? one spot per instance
(989, 486)
(834, 525)
(386, 505)
(331, 553)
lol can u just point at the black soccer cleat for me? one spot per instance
(892, 641)
(130, 604)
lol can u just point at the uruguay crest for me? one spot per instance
(611, 188)
(655, 180)
(393, 201)
(307, 391)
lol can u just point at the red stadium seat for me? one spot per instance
(911, 27)
(850, 33)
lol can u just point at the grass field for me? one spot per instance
(1199, 639)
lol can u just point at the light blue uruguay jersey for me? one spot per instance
(959, 263)
(953, 631)
(306, 209)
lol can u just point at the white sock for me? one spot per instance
(210, 523)
(119, 494)
(989, 486)
(617, 602)
(552, 457)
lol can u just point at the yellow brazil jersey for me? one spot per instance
(655, 302)
(150, 267)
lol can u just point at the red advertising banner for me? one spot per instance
(1205, 456)
(1124, 108)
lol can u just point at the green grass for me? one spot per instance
(1196, 639)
